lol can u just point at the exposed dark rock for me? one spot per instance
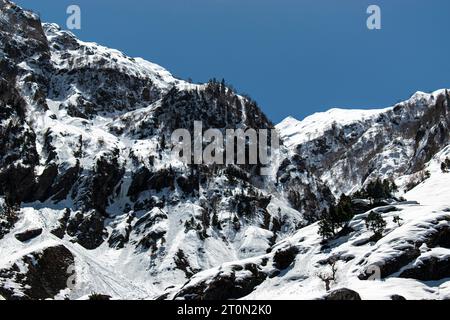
(139, 182)
(87, 229)
(46, 275)
(148, 220)
(183, 264)
(119, 238)
(18, 155)
(60, 231)
(28, 235)
(162, 179)
(64, 183)
(405, 256)
(188, 184)
(99, 297)
(441, 238)
(45, 182)
(429, 269)
(8, 217)
(283, 258)
(225, 286)
(107, 175)
(343, 294)
(397, 297)
(248, 205)
(151, 238)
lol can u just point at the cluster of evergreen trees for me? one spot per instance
(336, 218)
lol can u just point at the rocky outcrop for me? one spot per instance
(394, 264)
(18, 155)
(348, 155)
(46, 274)
(87, 229)
(28, 235)
(343, 294)
(429, 269)
(8, 217)
(237, 283)
(283, 258)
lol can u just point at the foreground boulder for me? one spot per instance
(343, 294)
(239, 282)
(28, 235)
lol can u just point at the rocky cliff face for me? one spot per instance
(349, 148)
(85, 158)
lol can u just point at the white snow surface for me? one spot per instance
(301, 281)
(131, 273)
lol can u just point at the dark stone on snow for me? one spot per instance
(162, 179)
(8, 218)
(107, 175)
(283, 258)
(28, 235)
(407, 255)
(150, 240)
(441, 238)
(182, 264)
(118, 239)
(429, 269)
(397, 297)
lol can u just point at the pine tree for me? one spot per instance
(376, 224)
(326, 229)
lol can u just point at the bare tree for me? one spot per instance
(329, 276)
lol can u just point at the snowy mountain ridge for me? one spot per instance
(91, 195)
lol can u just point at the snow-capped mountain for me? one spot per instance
(92, 200)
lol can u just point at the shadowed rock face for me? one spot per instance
(45, 276)
(437, 235)
(225, 286)
(284, 258)
(349, 156)
(343, 294)
(88, 128)
(429, 269)
(406, 255)
(28, 235)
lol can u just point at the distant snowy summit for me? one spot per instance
(295, 132)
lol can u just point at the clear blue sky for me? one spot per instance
(294, 57)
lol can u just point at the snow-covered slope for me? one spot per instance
(91, 199)
(411, 260)
(295, 132)
(85, 153)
